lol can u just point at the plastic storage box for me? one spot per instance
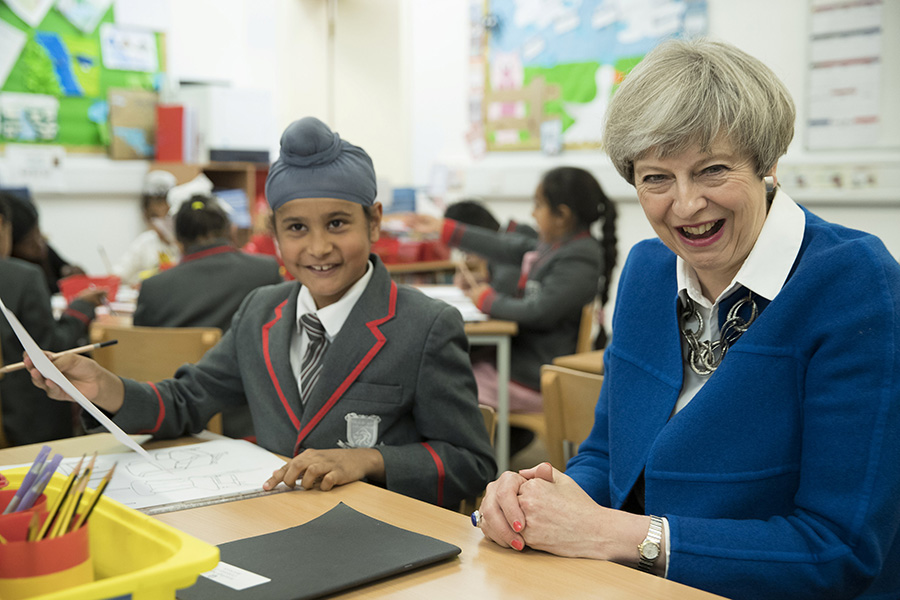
(134, 555)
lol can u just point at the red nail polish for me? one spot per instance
(517, 545)
(517, 526)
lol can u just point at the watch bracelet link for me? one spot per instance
(654, 538)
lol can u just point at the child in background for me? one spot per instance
(352, 375)
(503, 277)
(155, 249)
(29, 244)
(29, 416)
(558, 274)
(206, 288)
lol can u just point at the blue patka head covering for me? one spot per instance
(316, 163)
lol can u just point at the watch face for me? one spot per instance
(650, 550)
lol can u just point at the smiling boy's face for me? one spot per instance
(325, 244)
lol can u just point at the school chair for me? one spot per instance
(153, 353)
(586, 328)
(589, 362)
(536, 421)
(490, 423)
(570, 398)
(490, 420)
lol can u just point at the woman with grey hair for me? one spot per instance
(747, 436)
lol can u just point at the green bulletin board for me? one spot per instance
(80, 87)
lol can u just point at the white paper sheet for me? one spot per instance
(456, 298)
(48, 370)
(184, 476)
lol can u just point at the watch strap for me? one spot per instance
(649, 549)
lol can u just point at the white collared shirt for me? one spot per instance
(764, 272)
(332, 317)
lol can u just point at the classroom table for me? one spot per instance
(482, 570)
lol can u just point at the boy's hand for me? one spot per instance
(329, 468)
(97, 384)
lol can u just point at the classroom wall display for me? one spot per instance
(60, 62)
(542, 72)
(847, 74)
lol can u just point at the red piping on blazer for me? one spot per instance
(440, 471)
(268, 358)
(162, 411)
(373, 327)
(77, 315)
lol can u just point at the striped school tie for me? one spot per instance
(312, 359)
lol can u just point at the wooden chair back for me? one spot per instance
(153, 353)
(570, 398)
(490, 420)
(585, 340)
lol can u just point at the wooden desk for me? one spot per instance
(498, 333)
(427, 272)
(483, 570)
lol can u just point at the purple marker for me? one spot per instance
(40, 483)
(28, 480)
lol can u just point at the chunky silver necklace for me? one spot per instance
(705, 357)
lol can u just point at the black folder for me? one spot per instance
(338, 550)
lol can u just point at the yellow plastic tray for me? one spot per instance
(135, 556)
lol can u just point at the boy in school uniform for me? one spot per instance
(393, 398)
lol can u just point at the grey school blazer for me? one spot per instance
(29, 416)
(397, 377)
(205, 288)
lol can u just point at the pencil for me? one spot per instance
(464, 269)
(79, 350)
(87, 478)
(61, 525)
(63, 493)
(33, 527)
(94, 499)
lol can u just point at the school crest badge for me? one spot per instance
(362, 431)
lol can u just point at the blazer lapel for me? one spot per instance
(276, 346)
(358, 342)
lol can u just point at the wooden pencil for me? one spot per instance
(61, 525)
(63, 493)
(33, 527)
(464, 269)
(79, 350)
(94, 499)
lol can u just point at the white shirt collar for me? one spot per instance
(770, 261)
(333, 315)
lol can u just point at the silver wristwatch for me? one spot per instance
(648, 550)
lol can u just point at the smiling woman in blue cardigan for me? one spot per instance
(747, 435)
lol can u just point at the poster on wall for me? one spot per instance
(551, 66)
(56, 70)
(845, 77)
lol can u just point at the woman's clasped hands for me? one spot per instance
(545, 509)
